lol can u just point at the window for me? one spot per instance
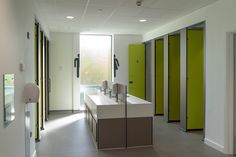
(95, 54)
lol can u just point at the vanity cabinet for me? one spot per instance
(92, 123)
(115, 125)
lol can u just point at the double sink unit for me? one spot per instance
(121, 122)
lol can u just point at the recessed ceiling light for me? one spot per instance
(142, 20)
(70, 17)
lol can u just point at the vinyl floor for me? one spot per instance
(68, 135)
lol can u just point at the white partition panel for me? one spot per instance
(166, 109)
(183, 87)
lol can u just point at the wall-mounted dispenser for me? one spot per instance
(31, 93)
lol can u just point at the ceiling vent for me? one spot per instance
(139, 3)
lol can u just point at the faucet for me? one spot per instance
(113, 96)
(103, 90)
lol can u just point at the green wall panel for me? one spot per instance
(137, 70)
(195, 75)
(174, 78)
(159, 109)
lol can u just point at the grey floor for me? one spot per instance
(67, 135)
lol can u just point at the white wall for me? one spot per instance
(16, 19)
(28, 62)
(60, 60)
(64, 47)
(11, 53)
(121, 43)
(65, 89)
(76, 81)
(219, 19)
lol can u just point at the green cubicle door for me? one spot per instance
(195, 75)
(174, 78)
(36, 77)
(159, 109)
(41, 83)
(137, 70)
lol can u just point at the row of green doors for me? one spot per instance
(41, 76)
(194, 74)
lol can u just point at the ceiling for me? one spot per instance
(113, 16)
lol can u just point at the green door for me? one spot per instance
(41, 70)
(36, 77)
(174, 78)
(195, 75)
(137, 70)
(159, 109)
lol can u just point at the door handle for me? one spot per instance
(130, 82)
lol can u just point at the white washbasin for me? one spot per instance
(104, 107)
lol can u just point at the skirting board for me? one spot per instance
(214, 145)
(66, 111)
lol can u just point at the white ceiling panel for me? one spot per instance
(114, 16)
(99, 10)
(70, 5)
(157, 13)
(107, 3)
(127, 11)
(181, 4)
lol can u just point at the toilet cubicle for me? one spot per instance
(172, 74)
(174, 78)
(192, 78)
(159, 76)
(179, 78)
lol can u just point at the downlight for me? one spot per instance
(70, 17)
(142, 20)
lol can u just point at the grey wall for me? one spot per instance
(166, 78)
(234, 132)
(148, 71)
(183, 88)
